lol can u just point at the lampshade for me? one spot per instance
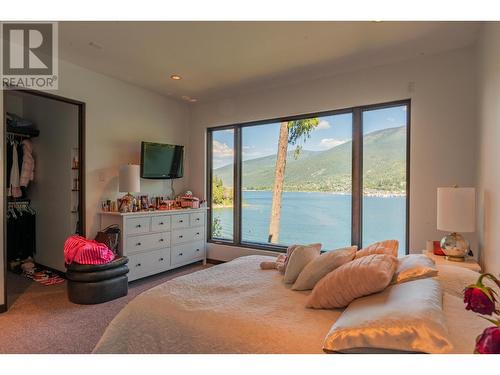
(456, 209)
(129, 180)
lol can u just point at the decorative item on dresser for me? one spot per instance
(157, 241)
(469, 262)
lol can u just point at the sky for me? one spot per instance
(262, 140)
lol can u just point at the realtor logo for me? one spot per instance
(29, 55)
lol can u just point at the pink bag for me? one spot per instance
(82, 251)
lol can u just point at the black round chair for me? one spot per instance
(90, 284)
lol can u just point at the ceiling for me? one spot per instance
(220, 58)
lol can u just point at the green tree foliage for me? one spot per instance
(299, 131)
(221, 196)
(216, 227)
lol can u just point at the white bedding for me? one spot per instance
(238, 308)
(231, 308)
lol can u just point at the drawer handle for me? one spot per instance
(197, 219)
(181, 221)
(138, 265)
(138, 244)
(181, 236)
(161, 259)
(161, 239)
(138, 226)
(197, 233)
(180, 254)
(161, 223)
(197, 249)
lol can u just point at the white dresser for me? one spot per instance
(157, 241)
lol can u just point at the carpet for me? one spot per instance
(42, 320)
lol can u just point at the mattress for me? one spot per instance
(236, 307)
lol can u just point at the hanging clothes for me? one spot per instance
(28, 166)
(21, 232)
(14, 186)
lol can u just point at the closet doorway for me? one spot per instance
(44, 160)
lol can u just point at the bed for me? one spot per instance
(238, 308)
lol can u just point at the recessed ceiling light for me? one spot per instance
(175, 77)
(185, 97)
(192, 100)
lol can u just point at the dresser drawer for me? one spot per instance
(180, 221)
(187, 235)
(145, 264)
(197, 219)
(137, 225)
(188, 252)
(147, 241)
(160, 223)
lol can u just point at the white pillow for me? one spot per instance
(455, 279)
(323, 265)
(300, 257)
(413, 267)
(405, 317)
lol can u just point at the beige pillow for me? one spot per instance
(358, 278)
(389, 247)
(454, 279)
(323, 265)
(300, 257)
(405, 317)
(413, 267)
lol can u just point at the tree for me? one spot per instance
(295, 133)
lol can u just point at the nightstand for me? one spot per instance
(469, 262)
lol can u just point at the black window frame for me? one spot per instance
(357, 173)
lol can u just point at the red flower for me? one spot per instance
(489, 341)
(479, 299)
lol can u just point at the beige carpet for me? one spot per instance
(42, 320)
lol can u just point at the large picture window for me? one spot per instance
(338, 178)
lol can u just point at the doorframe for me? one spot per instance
(81, 172)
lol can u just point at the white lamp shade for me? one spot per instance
(456, 209)
(129, 179)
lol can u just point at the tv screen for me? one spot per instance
(161, 161)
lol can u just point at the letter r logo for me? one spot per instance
(27, 49)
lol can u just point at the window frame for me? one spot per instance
(356, 175)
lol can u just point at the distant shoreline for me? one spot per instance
(381, 194)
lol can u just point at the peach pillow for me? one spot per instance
(358, 278)
(321, 266)
(389, 247)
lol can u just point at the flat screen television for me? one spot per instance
(161, 161)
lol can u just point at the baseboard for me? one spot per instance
(215, 261)
(3, 308)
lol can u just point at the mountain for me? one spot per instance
(330, 170)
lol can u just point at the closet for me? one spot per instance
(43, 176)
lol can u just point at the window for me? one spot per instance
(384, 175)
(337, 177)
(222, 176)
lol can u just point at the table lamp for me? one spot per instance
(129, 181)
(456, 213)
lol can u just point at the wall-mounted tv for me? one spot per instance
(161, 161)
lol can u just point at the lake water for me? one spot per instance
(308, 217)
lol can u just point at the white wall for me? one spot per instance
(489, 147)
(118, 117)
(443, 130)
